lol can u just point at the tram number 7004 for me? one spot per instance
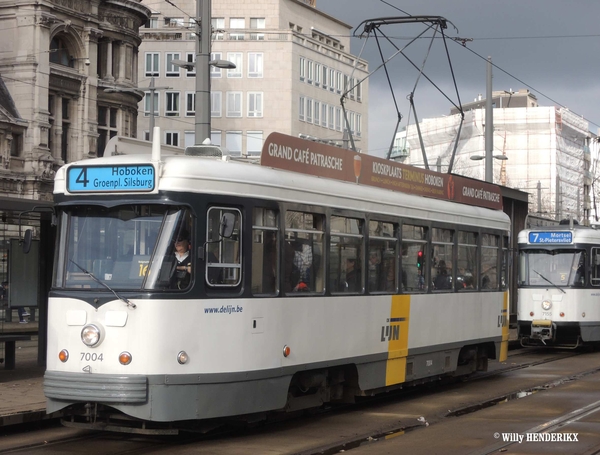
(92, 357)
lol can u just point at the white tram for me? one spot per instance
(559, 285)
(302, 290)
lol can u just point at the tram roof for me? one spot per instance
(232, 177)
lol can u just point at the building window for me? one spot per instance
(172, 138)
(357, 126)
(338, 82)
(236, 59)
(218, 26)
(309, 110)
(151, 23)
(338, 119)
(359, 92)
(172, 70)
(237, 23)
(301, 107)
(233, 142)
(190, 104)
(255, 104)
(257, 23)
(255, 64)
(234, 104)
(189, 138)
(324, 115)
(16, 146)
(214, 71)
(174, 22)
(190, 57)
(172, 104)
(331, 80)
(254, 143)
(302, 69)
(152, 64)
(317, 74)
(331, 117)
(107, 127)
(215, 137)
(310, 71)
(317, 112)
(60, 52)
(216, 108)
(324, 77)
(148, 103)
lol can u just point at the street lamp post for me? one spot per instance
(489, 130)
(203, 32)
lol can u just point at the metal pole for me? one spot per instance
(203, 35)
(152, 90)
(489, 126)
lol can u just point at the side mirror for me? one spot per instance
(227, 225)
(27, 241)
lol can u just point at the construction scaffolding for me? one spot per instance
(547, 149)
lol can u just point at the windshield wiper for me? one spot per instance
(543, 277)
(93, 277)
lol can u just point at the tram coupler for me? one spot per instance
(543, 330)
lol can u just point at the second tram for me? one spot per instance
(559, 285)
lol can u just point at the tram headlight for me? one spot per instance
(90, 335)
(546, 305)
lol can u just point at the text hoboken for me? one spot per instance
(132, 172)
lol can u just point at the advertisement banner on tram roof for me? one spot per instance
(313, 158)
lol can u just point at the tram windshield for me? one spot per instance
(124, 247)
(551, 267)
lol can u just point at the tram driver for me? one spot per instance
(184, 264)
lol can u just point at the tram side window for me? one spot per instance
(265, 252)
(467, 275)
(303, 254)
(223, 258)
(489, 261)
(595, 267)
(346, 255)
(442, 254)
(414, 254)
(382, 276)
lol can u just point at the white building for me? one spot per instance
(548, 148)
(292, 64)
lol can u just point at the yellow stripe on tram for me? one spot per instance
(397, 333)
(505, 331)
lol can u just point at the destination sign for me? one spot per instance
(551, 237)
(102, 179)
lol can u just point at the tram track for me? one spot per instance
(127, 444)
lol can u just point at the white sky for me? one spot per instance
(550, 45)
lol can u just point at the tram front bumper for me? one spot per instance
(543, 330)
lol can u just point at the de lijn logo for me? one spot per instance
(390, 332)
